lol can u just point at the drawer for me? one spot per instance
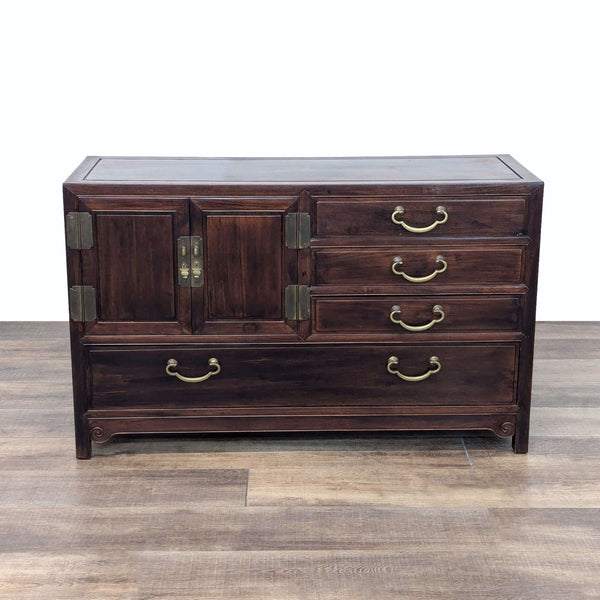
(406, 315)
(315, 375)
(415, 267)
(465, 218)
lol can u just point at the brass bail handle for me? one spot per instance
(399, 212)
(213, 363)
(436, 310)
(397, 262)
(393, 362)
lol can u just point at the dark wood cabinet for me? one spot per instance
(214, 295)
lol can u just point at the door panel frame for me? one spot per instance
(202, 207)
(178, 209)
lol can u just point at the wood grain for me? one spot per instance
(465, 314)
(538, 481)
(476, 375)
(370, 575)
(485, 265)
(319, 552)
(238, 207)
(303, 170)
(246, 265)
(129, 293)
(354, 217)
(359, 516)
(143, 487)
(293, 528)
(139, 236)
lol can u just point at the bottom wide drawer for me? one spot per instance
(280, 376)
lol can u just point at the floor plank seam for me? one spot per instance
(467, 453)
(247, 484)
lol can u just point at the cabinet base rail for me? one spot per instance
(101, 429)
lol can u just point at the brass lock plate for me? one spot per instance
(190, 261)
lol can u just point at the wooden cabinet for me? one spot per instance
(214, 295)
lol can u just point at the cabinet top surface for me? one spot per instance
(494, 168)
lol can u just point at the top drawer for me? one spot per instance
(421, 216)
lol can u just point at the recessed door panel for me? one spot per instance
(244, 267)
(140, 288)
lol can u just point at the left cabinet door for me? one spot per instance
(132, 265)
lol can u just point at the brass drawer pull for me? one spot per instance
(437, 310)
(442, 265)
(213, 363)
(399, 211)
(434, 361)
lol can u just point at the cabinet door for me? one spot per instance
(133, 265)
(247, 266)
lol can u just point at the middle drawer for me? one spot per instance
(408, 314)
(413, 267)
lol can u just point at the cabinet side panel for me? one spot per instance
(244, 267)
(135, 273)
(521, 438)
(83, 446)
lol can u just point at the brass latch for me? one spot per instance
(297, 303)
(297, 230)
(190, 261)
(82, 303)
(80, 235)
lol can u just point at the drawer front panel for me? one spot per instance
(500, 265)
(405, 315)
(470, 375)
(466, 218)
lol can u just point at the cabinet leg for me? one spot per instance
(83, 443)
(520, 441)
(84, 452)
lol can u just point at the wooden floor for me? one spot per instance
(350, 517)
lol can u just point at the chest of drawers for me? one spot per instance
(252, 295)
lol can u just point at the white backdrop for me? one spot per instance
(296, 79)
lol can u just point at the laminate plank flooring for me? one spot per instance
(319, 516)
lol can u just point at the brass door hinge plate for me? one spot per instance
(297, 230)
(82, 303)
(190, 261)
(80, 235)
(297, 303)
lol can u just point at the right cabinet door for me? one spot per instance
(246, 266)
